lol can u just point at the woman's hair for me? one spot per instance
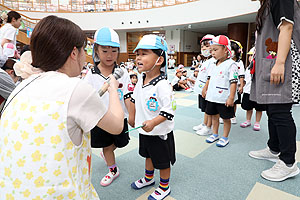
(264, 4)
(11, 15)
(159, 53)
(237, 51)
(52, 41)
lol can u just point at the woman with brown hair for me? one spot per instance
(45, 141)
(276, 83)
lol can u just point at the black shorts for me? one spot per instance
(238, 101)
(161, 152)
(100, 138)
(247, 104)
(217, 108)
(176, 87)
(201, 103)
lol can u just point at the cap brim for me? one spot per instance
(110, 44)
(145, 47)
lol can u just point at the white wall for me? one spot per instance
(188, 13)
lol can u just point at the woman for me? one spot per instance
(45, 139)
(8, 32)
(275, 83)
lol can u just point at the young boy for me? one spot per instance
(153, 108)
(192, 79)
(220, 89)
(177, 83)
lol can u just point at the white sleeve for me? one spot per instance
(165, 95)
(241, 69)
(9, 33)
(233, 73)
(85, 107)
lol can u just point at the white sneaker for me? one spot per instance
(139, 184)
(280, 172)
(233, 120)
(159, 194)
(198, 127)
(108, 179)
(264, 154)
(221, 121)
(204, 131)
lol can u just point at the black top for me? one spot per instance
(282, 9)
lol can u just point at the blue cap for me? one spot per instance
(152, 42)
(105, 37)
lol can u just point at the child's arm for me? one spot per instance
(242, 84)
(131, 111)
(204, 90)
(230, 100)
(150, 124)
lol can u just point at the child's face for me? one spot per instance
(179, 74)
(16, 22)
(196, 73)
(205, 45)
(146, 59)
(184, 73)
(219, 52)
(134, 79)
(108, 55)
(250, 58)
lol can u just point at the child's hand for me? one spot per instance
(240, 89)
(148, 125)
(229, 102)
(204, 93)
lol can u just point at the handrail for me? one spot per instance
(80, 6)
(28, 21)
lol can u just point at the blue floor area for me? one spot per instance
(214, 174)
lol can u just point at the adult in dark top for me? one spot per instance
(276, 83)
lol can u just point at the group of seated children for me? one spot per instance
(182, 82)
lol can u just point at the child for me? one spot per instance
(237, 50)
(205, 127)
(247, 104)
(194, 63)
(133, 79)
(184, 80)
(105, 53)
(192, 79)
(171, 63)
(152, 106)
(220, 89)
(177, 83)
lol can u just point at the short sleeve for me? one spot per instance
(241, 69)
(166, 99)
(233, 73)
(174, 81)
(282, 10)
(9, 33)
(85, 107)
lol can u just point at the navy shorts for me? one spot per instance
(101, 138)
(161, 152)
(217, 108)
(247, 104)
(202, 103)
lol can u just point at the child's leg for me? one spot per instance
(182, 85)
(149, 175)
(227, 126)
(258, 116)
(111, 163)
(109, 155)
(164, 178)
(209, 120)
(249, 114)
(215, 123)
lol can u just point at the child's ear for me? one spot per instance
(161, 60)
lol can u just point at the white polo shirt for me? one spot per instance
(8, 32)
(97, 80)
(248, 80)
(241, 70)
(153, 99)
(175, 80)
(202, 75)
(220, 79)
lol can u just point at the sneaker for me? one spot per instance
(233, 120)
(204, 131)
(212, 138)
(256, 126)
(245, 124)
(108, 179)
(264, 154)
(139, 184)
(188, 90)
(280, 172)
(102, 156)
(198, 127)
(221, 121)
(222, 142)
(159, 194)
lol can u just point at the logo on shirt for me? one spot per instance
(152, 103)
(120, 93)
(130, 87)
(235, 75)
